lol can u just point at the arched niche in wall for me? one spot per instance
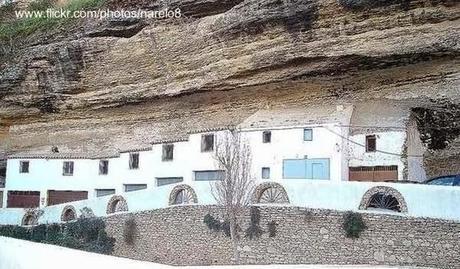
(68, 213)
(116, 204)
(270, 193)
(182, 194)
(383, 198)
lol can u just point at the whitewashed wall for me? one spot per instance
(392, 142)
(422, 200)
(287, 143)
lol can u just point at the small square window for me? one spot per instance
(307, 134)
(24, 167)
(371, 143)
(168, 152)
(67, 169)
(267, 137)
(207, 142)
(103, 167)
(265, 172)
(134, 161)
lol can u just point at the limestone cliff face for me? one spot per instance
(100, 84)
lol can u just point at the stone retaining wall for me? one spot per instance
(177, 235)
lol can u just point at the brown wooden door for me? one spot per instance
(23, 199)
(61, 197)
(373, 173)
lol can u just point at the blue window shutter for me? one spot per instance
(294, 169)
(320, 168)
(306, 169)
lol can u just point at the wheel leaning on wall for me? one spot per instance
(270, 193)
(383, 198)
(182, 194)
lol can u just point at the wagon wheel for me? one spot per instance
(272, 196)
(384, 201)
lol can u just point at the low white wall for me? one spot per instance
(422, 200)
(20, 254)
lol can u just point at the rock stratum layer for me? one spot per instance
(113, 84)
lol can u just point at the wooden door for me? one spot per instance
(373, 173)
(61, 197)
(23, 199)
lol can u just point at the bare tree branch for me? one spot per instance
(233, 190)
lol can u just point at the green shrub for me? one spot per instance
(41, 5)
(212, 223)
(353, 224)
(130, 231)
(38, 233)
(83, 234)
(272, 228)
(24, 27)
(225, 227)
(215, 225)
(13, 231)
(254, 230)
(53, 233)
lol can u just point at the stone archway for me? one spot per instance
(270, 193)
(68, 213)
(182, 194)
(383, 198)
(116, 204)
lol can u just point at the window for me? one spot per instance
(67, 169)
(103, 167)
(24, 167)
(207, 142)
(135, 187)
(209, 175)
(306, 169)
(371, 143)
(104, 192)
(161, 181)
(265, 172)
(267, 137)
(168, 152)
(2, 173)
(134, 161)
(307, 134)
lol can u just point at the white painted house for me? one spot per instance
(287, 144)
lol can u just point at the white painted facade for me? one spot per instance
(287, 143)
(389, 150)
(422, 200)
(331, 140)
